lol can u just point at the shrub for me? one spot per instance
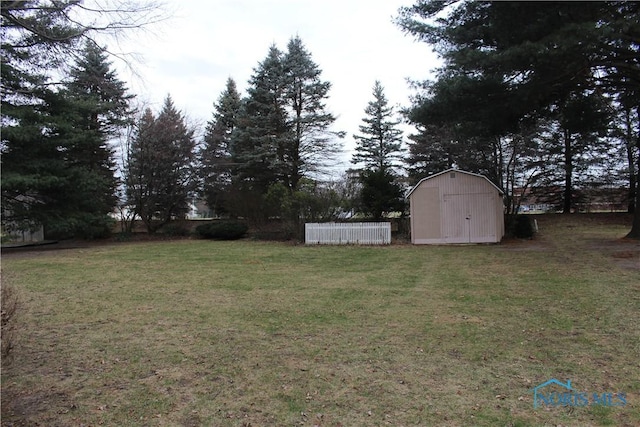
(520, 226)
(175, 229)
(222, 230)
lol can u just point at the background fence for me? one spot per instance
(354, 233)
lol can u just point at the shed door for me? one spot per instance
(455, 225)
(468, 218)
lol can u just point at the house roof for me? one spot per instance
(458, 171)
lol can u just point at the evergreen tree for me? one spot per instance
(380, 193)
(257, 138)
(161, 172)
(100, 110)
(458, 128)
(71, 189)
(33, 167)
(582, 122)
(627, 132)
(261, 130)
(311, 146)
(431, 150)
(380, 145)
(33, 164)
(142, 165)
(103, 102)
(216, 159)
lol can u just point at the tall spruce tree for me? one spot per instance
(257, 139)
(142, 165)
(33, 165)
(71, 191)
(102, 98)
(261, 129)
(162, 177)
(380, 144)
(100, 110)
(311, 146)
(215, 157)
(34, 169)
(378, 150)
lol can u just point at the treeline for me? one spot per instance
(536, 96)
(263, 155)
(266, 154)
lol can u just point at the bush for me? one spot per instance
(175, 229)
(222, 230)
(520, 226)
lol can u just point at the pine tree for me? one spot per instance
(431, 150)
(380, 193)
(161, 171)
(215, 158)
(312, 146)
(140, 171)
(33, 165)
(380, 145)
(261, 132)
(71, 188)
(103, 99)
(100, 109)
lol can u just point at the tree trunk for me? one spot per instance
(631, 195)
(635, 227)
(568, 172)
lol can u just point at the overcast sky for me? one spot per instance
(354, 42)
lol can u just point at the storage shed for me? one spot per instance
(455, 206)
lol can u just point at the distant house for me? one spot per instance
(549, 199)
(455, 206)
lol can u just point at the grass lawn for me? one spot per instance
(243, 333)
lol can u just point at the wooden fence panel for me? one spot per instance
(355, 233)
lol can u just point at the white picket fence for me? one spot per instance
(354, 233)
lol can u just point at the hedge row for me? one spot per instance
(222, 230)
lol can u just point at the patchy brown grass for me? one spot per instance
(193, 333)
